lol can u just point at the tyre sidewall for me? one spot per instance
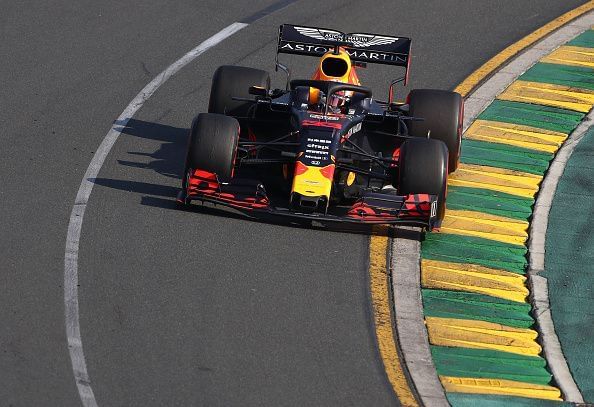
(442, 112)
(212, 145)
(234, 81)
(423, 169)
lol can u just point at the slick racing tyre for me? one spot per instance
(442, 112)
(423, 170)
(213, 145)
(234, 81)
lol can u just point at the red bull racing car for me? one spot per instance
(324, 149)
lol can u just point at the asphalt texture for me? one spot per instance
(188, 308)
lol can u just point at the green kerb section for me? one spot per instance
(446, 247)
(573, 76)
(463, 305)
(488, 201)
(485, 400)
(504, 156)
(586, 40)
(569, 260)
(474, 250)
(490, 364)
(541, 117)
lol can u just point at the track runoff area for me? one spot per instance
(480, 293)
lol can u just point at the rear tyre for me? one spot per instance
(442, 112)
(234, 81)
(423, 167)
(213, 145)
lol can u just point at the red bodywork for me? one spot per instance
(251, 198)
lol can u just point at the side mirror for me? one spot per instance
(300, 96)
(366, 104)
(258, 91)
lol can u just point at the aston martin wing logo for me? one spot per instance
(320, 33)
(358, 40)
(368, 40)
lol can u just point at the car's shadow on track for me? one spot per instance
(168, 160)
(138, 187)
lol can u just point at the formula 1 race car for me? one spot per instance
(323, 149)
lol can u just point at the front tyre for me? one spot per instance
(443, 113)
(235, 81)
(212, 146)
(423, 168)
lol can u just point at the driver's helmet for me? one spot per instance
(338, 68)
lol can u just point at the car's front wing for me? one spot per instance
(249, 197)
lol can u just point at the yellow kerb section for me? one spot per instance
(546, 94)
(466, 333)
(569, 55)
(515, 135)
(484, 225)
(473, 278)
(495, 179)
(499, 387)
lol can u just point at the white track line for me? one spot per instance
(75, 347)
(416, 349)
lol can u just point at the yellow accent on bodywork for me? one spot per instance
(312, 183)
(350, 178)
(473, 278)
(499, 387)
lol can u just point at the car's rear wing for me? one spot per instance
(361, 47)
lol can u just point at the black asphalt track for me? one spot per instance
(181, 308)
